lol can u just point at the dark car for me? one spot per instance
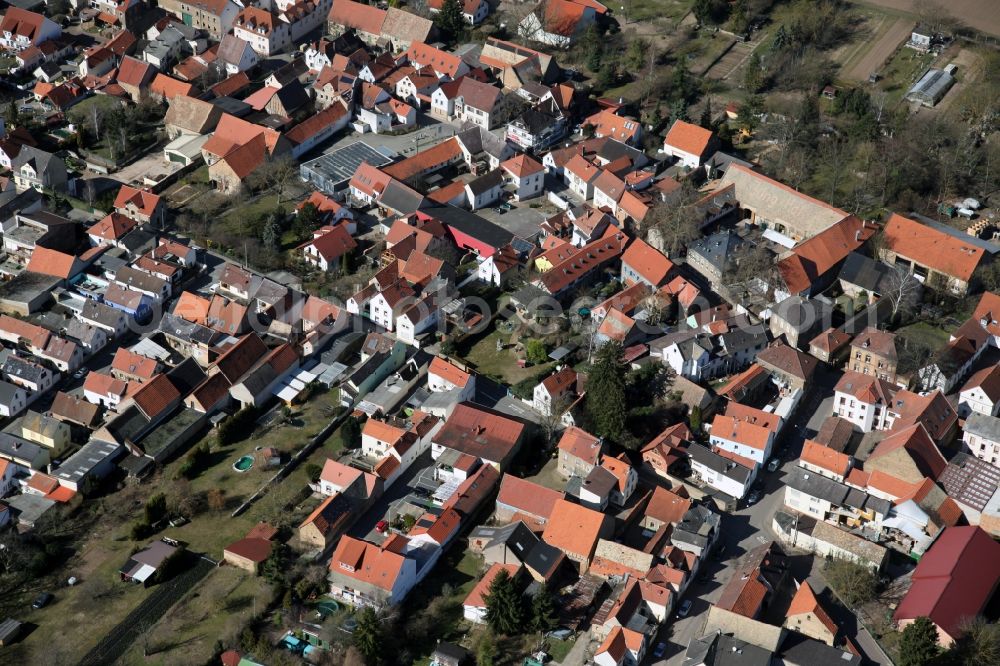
(42, 600)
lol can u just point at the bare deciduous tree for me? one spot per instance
(902, 289)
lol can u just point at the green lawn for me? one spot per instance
(902, 71)
(925, 334)
(559, 649)
(501, 365)
(187, 634)
(637, 11)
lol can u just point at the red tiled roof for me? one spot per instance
(574, 528)
(477, 597)
(113, 226)
(134, 364)
(254, 549)
(52, 263)
(805, 601)
(332, 242)
(527, 497)
(818, 455)
(580, 444)
(143, 200)
(929, 247)
(522, 165)
(666, 506)
(169, 87)
(688, 137)
(953, 580)
(316, 123)
(650, 264)
(134, 72)
(155, 396)
(813, 258)
(448, 372)
(361, 17)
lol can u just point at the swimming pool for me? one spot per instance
(327, 607)
(243, 464)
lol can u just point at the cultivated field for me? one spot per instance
(981, 15)
(880, 50)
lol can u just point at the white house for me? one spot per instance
(865, 401)
(728, 473)
(474, 606)
(689, 143)
(473, 11)
(328, 246)
(485, 190)
(555, 391)
(525, 174)
(981, 393)
(443, 376)
(621, 647)
(21, 29)
(13, 400)
(745, 431)
(982, 437)
(417, 319)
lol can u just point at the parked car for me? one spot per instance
(684, 609)
(773, 464)
(42, 600)
(562, 633)
(753, 498)
(71, 581)
(381, 526)
(659, 650)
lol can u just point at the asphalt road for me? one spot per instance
(750, 527)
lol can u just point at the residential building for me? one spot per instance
(21, 29)
(363, 574)
(525, 175)
(40, 170)
(873, 352)
(575, 530)
(745, 431)
(558, 22)
(579, 452)
(215, 17)
(483, 433)
(556, 392)
(981, 435)
(981, 393)
(690, 144)
(726, 472)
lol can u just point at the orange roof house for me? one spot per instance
(475, 601)
(607, 123)
(689, 143)
(945, 261)
(643, 263)
(442, 375)
(54, 263)
(520, 499)
(328, 245)
(579, 452)
(139, 205)
(806, 615)
(811, 265)
(362, 573)
(824, 460)
(575, 530)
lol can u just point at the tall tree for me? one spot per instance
(543, 610)
(368, 635)
(979, 644)
(854, 583)
(753, 74)
(902, 290)
(918, 646)
(350, 432)
(504, 609)
(606, 404)
(486, 651)
(450, 20)
(706, 115)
